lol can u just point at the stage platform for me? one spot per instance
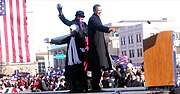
(129, 90)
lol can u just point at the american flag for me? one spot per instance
(13, 32)
(121, 59)
(115, 59)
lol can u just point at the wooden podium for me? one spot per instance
(160, 60)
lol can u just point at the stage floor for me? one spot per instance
(129, 90)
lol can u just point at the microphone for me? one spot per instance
(153, 26)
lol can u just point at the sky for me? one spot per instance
(46, 24)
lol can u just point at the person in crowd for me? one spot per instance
(74, 67)
(98, 55)
(105, 80)
(120, 76)
(43, 84)
(14, 89)
(133, 82)
(36, 85)
(112, 79)
(49, 71)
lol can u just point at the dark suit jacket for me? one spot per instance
(98, 55)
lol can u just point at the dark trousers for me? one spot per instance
(96, 76)
(77, 78)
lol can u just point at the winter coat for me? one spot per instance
(83, 33)
(98, 55)
(83, 29)
(74, 71)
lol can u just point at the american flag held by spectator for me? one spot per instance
(121, 59)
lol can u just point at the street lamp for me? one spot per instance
(48, 56)
(117, 49)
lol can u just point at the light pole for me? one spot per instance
(48, 56)
(117, 50)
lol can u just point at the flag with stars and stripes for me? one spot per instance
(121, 59)
(14, 45)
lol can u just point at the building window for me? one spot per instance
(124, 40)
(121, 41)
(115, 34)
(41, 67)
(131, 53)
(140, 38)
(137, 39)
(177, 36)
(141, 52)
(130, 39)
(137, 52)
(123, 52)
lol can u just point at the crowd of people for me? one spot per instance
(54, 80)
(51, 81)
(124, 76)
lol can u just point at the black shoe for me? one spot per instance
(76, 91)
(97, 90)
(72, 91)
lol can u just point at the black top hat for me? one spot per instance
(80, 14)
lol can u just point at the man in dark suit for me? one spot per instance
(98, 55)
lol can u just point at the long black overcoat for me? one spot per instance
(98, 55)
(74, 71)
